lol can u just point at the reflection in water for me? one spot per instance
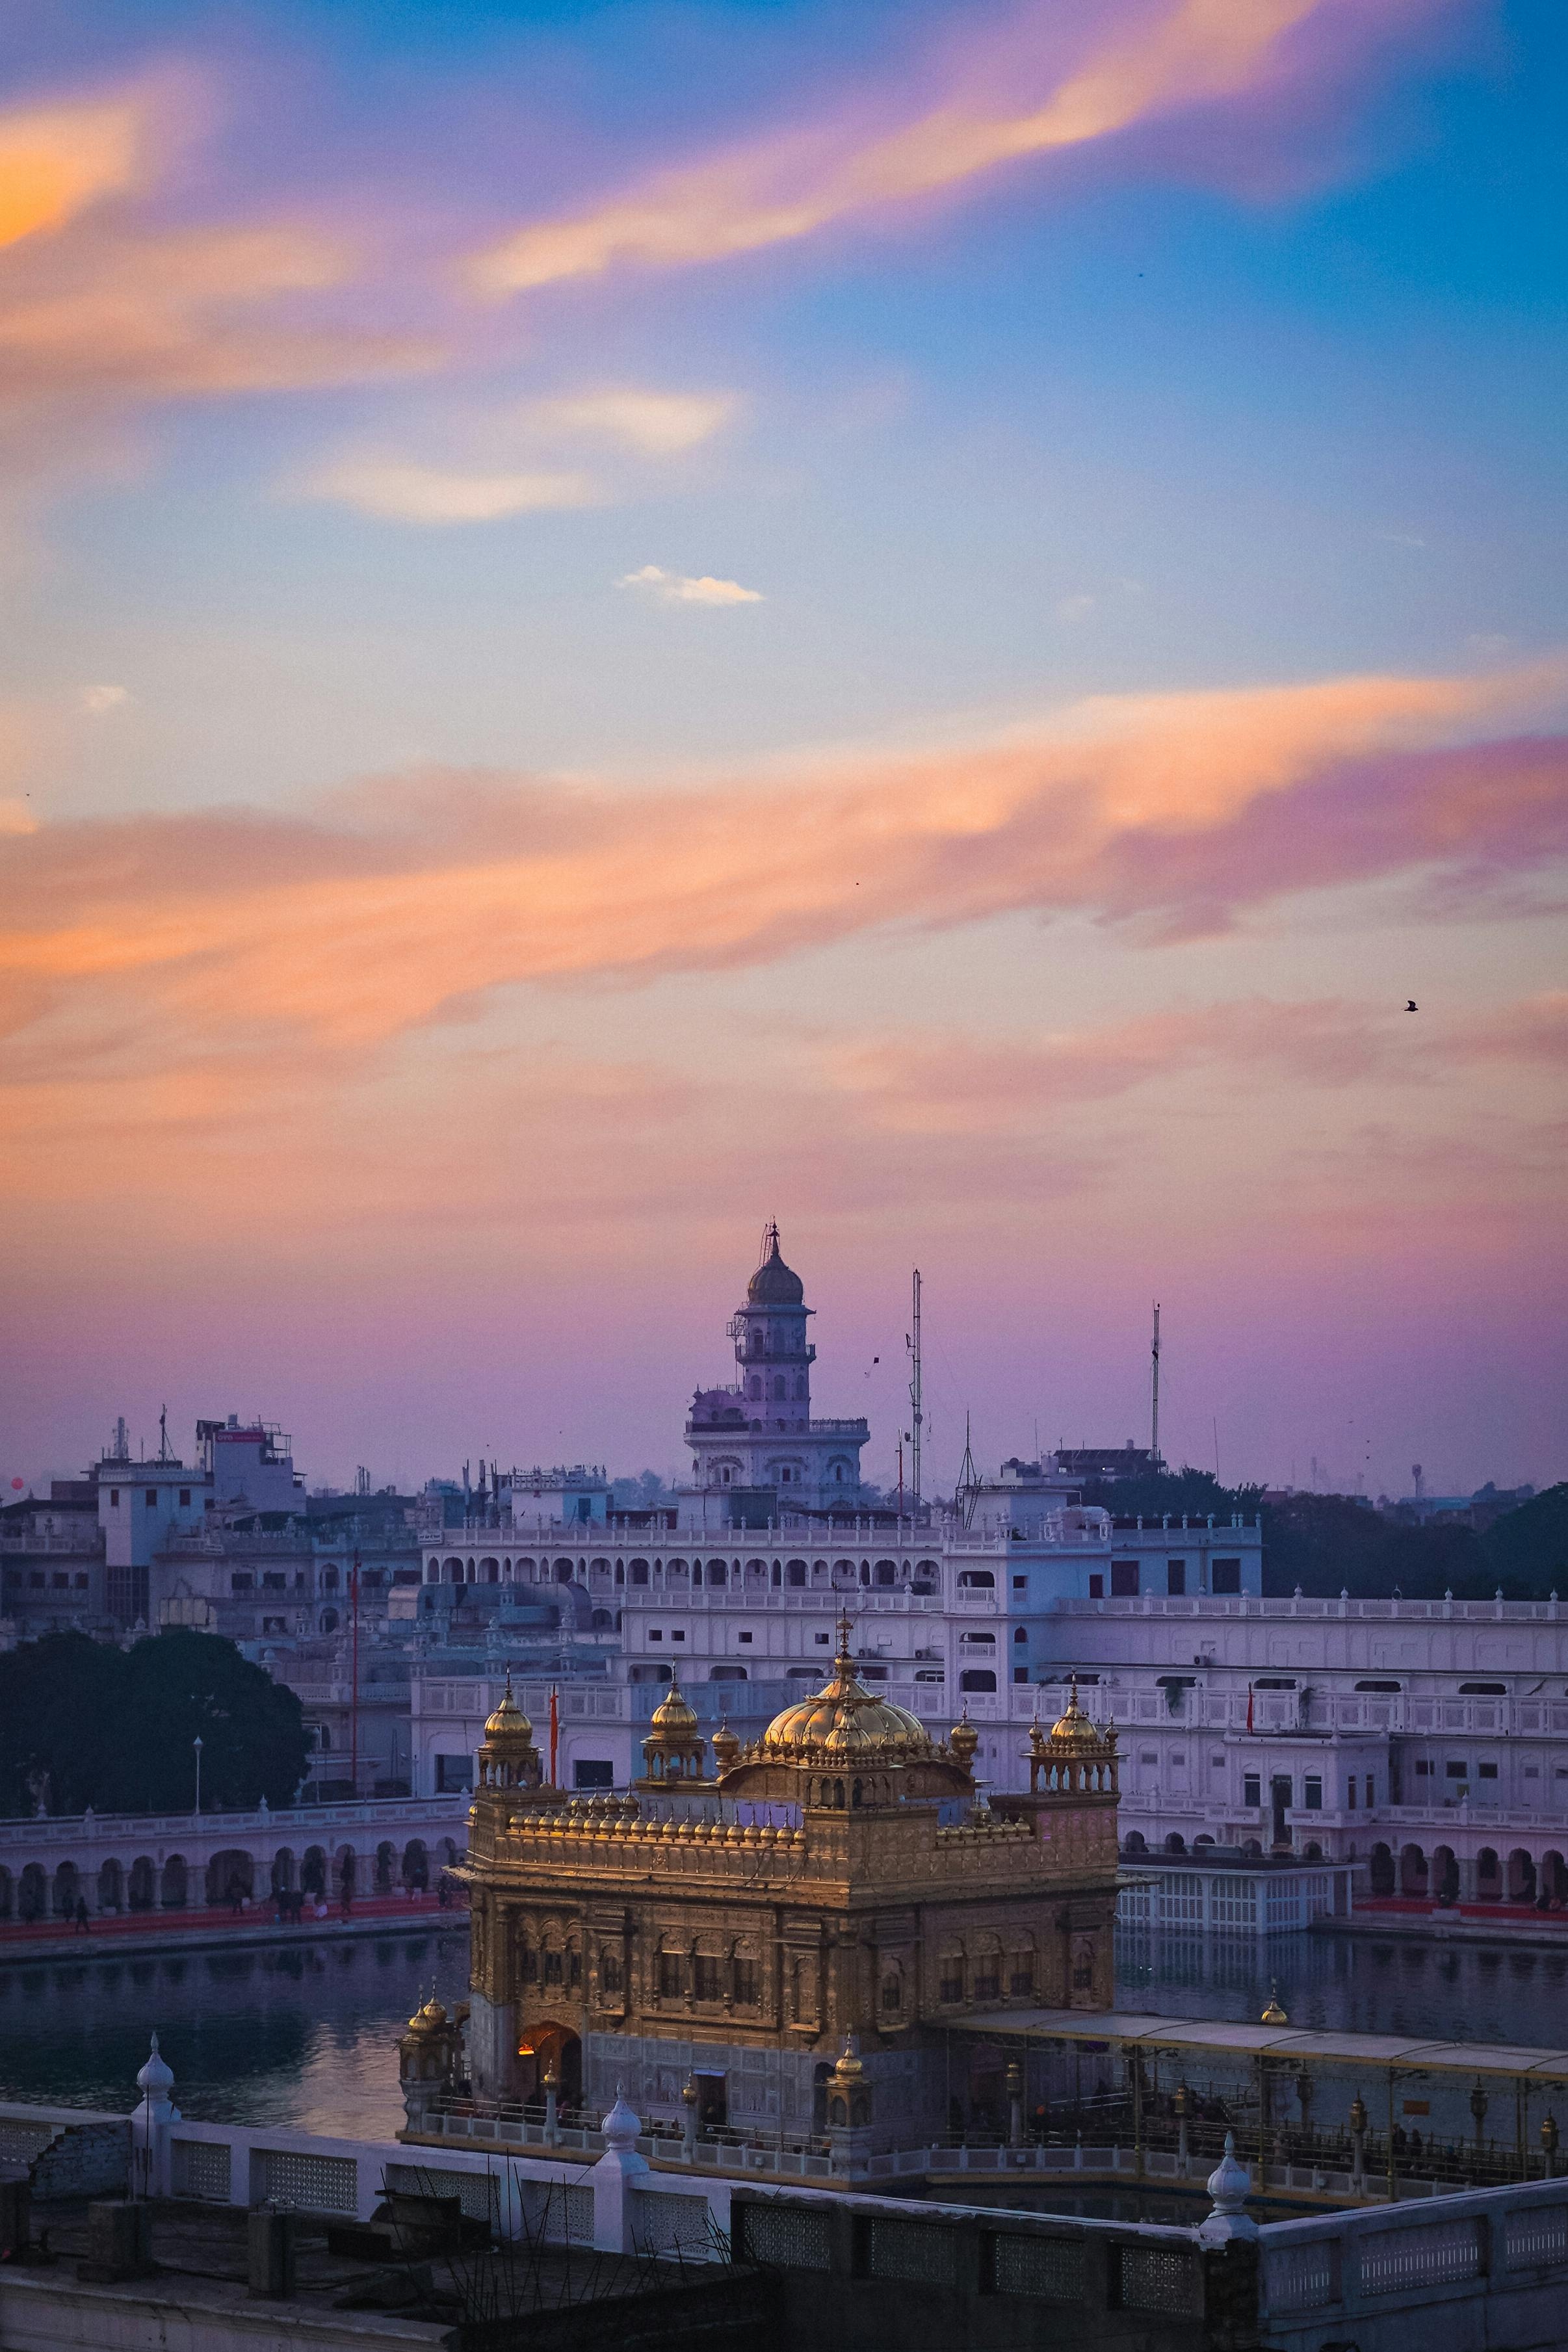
(303, 2034)
(1431, 1992)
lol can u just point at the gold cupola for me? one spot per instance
(508, 1757)
(673, 1751)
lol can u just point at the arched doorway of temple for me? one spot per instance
(545, 2049)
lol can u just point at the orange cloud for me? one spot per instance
(1160, 54)
(386, 909)
(57, 160)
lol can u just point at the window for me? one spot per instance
(1312, 1793)
(241, 1581)
(1349, 1794)
(1456, 1771)
(977, 1678)
(978, 1580)
(1147, 1755)
(1225, 1576)
(950, 1985)
(114, 1497)
(1379, 1687)
(452, 1772)
(1097, 1588)
(185, 1498)
(1123, 1580)
(273, 1580)
(592, 1772)
(151, 1498)
(745, 1637)
(676, 1634)
(1483, 1690)
(893, 1995)
(988, 1977)
(1424, 1768)
(81, 1586)
(35, 1579)
(1486, 1771)
(1368, 1795)
(1252, 1789)
(822, 1638)
(1175, 1576)
(1020, 1632)
(707, 1974)
(554, 1973)
(669, 1976)
(656, 1633)
(60, 1581)
(1020, 1674)
(745, 1980)
(609, 1970)
(1022, 1980)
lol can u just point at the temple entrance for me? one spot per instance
(549, 2048)
(712, 2102)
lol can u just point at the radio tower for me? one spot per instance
(916, 1412)
(1154, 1390)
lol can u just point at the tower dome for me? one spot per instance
(773, 1283)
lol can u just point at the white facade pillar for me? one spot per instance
(616, 2179)
(152, 2128)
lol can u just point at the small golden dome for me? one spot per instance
(427, 2021)
(726, 1747)
(509, 1727)
(963, 1739)
(850, 2069)
(1074, 1728)
(1274, 2014)
(844, 1719)
(674, 1715)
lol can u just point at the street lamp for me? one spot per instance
(196, 1744)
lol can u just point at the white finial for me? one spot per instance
(156, 2077)
(623, 2125)
(1229, 2184)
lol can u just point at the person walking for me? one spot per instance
(83, 1924)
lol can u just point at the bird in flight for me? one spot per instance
(1412, 1006)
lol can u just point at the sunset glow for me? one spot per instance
(925, 623)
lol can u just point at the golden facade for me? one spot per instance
(841, 1876)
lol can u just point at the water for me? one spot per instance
(1360, 1984)
(303, 2034)
(300, 2034)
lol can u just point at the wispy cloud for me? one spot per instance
(652, 424)
(676, 588)
(383, 910)
(57, 160)
(1140, 58)
(100, 700)
(395, 490)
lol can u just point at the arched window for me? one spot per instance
(781, 1388)
(639, 1572)
(756, 1385)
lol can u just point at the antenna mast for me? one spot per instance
(968, 1479)
(1154, 1392)
(916, 1412)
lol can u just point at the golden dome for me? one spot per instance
(674, 1715)
(726, 1747)
(963, 1739)
(845, 1720)
(427, 2021)
(1074, 1728)
(509, 1727)
(1274, 2014)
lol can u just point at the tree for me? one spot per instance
(1527, 1548)
(82, 1723)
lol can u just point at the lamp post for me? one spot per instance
(196, 1744)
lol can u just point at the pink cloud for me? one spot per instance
(1038, 84)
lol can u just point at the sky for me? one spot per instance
(924, 620)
